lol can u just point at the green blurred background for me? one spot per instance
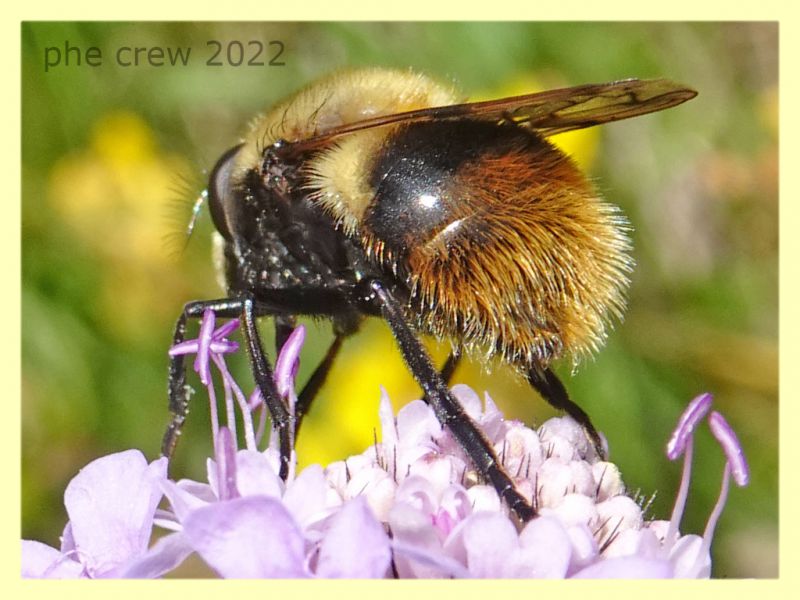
(113, 156)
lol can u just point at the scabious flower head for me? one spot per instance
(411, 505)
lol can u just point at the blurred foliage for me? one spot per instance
(113, 157)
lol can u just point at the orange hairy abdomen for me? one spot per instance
(530, 264)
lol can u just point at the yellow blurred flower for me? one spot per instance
(114, 194)
(343, 421)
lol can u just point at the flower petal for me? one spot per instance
(634, 542)
(248, 537)
(690, 558)
(627, 567)
(388, 423)
(584, 546)
(609, 480)
(520, 449)
(42, 561)
(417, 425)
(489, 540)
(306, 496)
(468, 399)
(254, 475)
(484, 497)
(564, 438)
(187, 495)
(111, 503)
(376, 486)
(412, 532)
(545, 551)
(418, 492)
(355, 545)
(165, 555)
(574, 509)
(554, 478)
(616, 515)
(492, 419)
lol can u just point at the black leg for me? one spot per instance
(447, 409)
(550, 387)
(315, 382)
(282, 419)
(179, 393)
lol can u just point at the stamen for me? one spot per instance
(213, 413)
(230, 411)
(683, 493)
(204, 346)
(216, 347)
(244, 407)
(225, 455)
(688, 420)
(288, 361)
(708, 534)
(262, 423)
(734, 452)
(256, 399)
(226, 329)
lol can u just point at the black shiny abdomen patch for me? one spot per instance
(416, 176)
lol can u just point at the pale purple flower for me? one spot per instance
(419, 483)
(411, 505)
(246, 522)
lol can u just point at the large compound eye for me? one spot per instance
(220, 193)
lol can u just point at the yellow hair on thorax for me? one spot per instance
(336, 176)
